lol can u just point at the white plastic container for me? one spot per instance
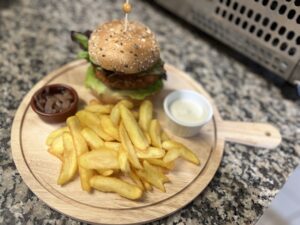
(187, 112)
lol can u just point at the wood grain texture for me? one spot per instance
(254, 134)
(39, 169)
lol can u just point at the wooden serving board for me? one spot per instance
(39, 169)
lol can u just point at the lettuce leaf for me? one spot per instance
(92, 82)
(83, 55)
(81, 38)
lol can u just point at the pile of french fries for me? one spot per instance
(115, 148)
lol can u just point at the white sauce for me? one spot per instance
(187, 111)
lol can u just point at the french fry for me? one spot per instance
(85, 176)
(57, 147)
(92, 139)
(116, 146)
(145, 114)
(92, 121)
(111, 184)
(127, 145)
(60, 157)
(75, 129)
(109, 127)
(147, 186)
(69, 165)
(134, 131)
(124, 143)
(98, 108)
(105, 173)
(155, 170)
(177, 149)
(164, 136)
(153, 176)
(55, 134)
(169, 144)
(188, 155)
(123, 161)
(154, 132)
(135, 178)
(103, 159)
(171, 155)
(151, 152)
(147, 136)
(115, 112)
(81, 148)
(115, 115)
(161, 163)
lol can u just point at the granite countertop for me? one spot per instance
(35, 40)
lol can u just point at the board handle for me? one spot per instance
(253, 134)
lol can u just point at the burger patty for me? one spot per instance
(123, 81)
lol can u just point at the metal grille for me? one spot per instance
(267, 31)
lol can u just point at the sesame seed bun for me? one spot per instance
(130, 52)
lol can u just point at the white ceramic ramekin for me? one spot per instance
(187, 129)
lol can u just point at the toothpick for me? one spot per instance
(126, 18)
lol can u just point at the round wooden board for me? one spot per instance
(39, 169)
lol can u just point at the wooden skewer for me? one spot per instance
(127, 10)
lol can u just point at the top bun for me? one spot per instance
(129, 52)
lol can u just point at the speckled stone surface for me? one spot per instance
(34, 40)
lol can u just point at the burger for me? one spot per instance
(123, 64)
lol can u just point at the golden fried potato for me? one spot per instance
(153, 175)
(85, 176)
(159, 162)
(115, 112)
(147, 186)
(127, 145)
(60, 157)
(75, 129)
(116, 146)
(55, 134)
(128, 104)
(156, 170)
(145, 114)
(69, 165)
(97, 108)
(92, 139)
(154, 132)
(169, 144)
(134, 131)
(164, 136)
(105, 173)
(92, 121)
(81, 148)
(123, 161)
(103, 159)
(109, 127)
(147, 136)
(135, 178)
(57, 147)
(151, 152)
(176, 149)
(115, 116)
(111, 184)
(171, 155)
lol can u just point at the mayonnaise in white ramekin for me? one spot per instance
(187, 111)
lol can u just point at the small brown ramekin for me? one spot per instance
(55, 117)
